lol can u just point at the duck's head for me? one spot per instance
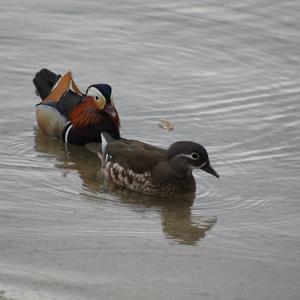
(96, 107)
(186, 156)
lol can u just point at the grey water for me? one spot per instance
(226, 73)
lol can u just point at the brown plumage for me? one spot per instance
(150, 170)
(65, 83)
(87, 114)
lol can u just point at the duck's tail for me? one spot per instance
(44, 81)
(56, 90)
(51, 86)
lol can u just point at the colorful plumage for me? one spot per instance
(67, 113)
(79, 118)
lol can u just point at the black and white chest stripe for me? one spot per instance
(66, 132)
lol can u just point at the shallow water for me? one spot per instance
(227, 75)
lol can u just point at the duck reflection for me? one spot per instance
(176, 217)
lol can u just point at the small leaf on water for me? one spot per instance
(165, 124)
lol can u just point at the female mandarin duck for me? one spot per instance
(154, 171)
(74, 117)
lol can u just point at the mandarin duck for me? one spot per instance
(76, 118)
(151, 170)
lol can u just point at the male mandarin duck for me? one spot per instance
(66, 113)
(151, 170)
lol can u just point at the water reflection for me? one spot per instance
(176, 216)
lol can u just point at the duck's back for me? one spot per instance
(144, 168)
(136, 156)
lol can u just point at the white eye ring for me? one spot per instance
(195, 156)
(97, 98)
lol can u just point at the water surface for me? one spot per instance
(227, 75)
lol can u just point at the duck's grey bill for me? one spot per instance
(209, 169)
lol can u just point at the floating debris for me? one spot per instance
(165, 124)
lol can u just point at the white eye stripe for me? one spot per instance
(189, 156)
(95, 93)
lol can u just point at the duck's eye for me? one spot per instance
(96, 98)
(195, 156)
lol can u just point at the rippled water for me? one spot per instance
(227, 75)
